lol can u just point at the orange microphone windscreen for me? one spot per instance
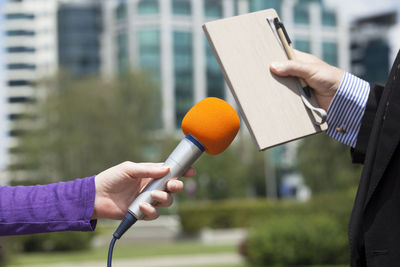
(213, 122)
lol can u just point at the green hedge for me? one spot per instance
(61, 241)
(297, 240)
(244, 213)
(283, 233)
(4, 251)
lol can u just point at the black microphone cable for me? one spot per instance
(127, 222)
(110, 251)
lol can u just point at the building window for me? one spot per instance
(20, 33)
(20, 83)
(215, 79)
(21, 66)
(181, 7)
(328, 18)
(146, 7)
(78, 40)
(256, 5)
(20, 99)
(303, 45)
(149, 52)
(120, 11)
(213, 8)
(21, 116)
(122, 52)
(301, 13)
(20, 49)
(183, 73)
(16, 132)
(20, 16)
(330, 53)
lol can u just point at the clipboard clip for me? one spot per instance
(278, 28)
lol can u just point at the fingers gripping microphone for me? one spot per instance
(210, 126)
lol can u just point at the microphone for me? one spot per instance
(209, 126)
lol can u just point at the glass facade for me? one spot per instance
(20, 49)
(328, 18)
(21, 66)
(181, 7)
(183, 73)
(147, 7)
(20, 33)
(301, 13)
(21, 99)
(330, 53)
(255, 5)
(20, 16)
(120, 11)
(375, 61)
(215, 79)
(79, 28)
(213, 8)
(303, 45)
(20, 83)
(122, 52)
(149, 52)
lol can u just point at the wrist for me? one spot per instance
(324, 100)
(338, 78)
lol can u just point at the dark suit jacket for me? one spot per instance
(374, 229)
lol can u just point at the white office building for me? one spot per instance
(40, 36)
(30, 55)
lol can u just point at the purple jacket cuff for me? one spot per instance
(64, 206)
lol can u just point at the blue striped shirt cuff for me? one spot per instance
(347, 109)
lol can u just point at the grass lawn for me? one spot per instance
(125, 251)
(122, 251)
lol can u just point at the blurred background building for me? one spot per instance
(41, 38)
(166, 39)
(30, 45)
(162, 37)
(374, 45)
(79, 27)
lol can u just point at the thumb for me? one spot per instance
(291, 68)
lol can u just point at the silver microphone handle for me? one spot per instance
(184, 155)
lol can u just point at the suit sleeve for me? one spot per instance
(358, 152)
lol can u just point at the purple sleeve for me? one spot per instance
(64, 206)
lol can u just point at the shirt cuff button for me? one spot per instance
(341, 130)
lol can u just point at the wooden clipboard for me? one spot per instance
(271, 106)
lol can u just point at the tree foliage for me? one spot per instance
(326, 164)
(84, 126)
(222, 176)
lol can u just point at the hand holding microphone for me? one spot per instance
(118, 186)
(210, 126)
